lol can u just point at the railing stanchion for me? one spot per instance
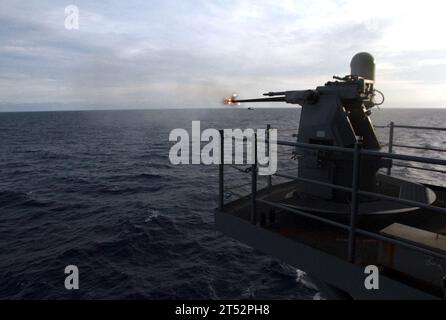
(391, 129)
(254, 183)
(221, 182)
(269, 178)
(354, 201)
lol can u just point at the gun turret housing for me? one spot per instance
(336, 114)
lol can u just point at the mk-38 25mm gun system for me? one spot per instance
(341, 213)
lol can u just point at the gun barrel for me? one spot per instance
(272, 94)
(276, 99)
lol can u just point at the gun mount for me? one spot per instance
(336, 114)
(326, 223)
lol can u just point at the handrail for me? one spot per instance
(405, 243)
(418, 168)
(366, 193)
(411, 127)
(364, 152)
(356, 153)
(403, 201)
(419, 148)
(314, 146)
(403, 157)
(419, 127)
(391, 143)
(321, 183)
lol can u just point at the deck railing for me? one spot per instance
(356, 152)
(391, 145)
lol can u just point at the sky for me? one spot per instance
(192, 53)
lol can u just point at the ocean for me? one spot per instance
(96, 189)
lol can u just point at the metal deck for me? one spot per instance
(335, 248)
(321, 249)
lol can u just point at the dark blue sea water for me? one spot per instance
(96, 189)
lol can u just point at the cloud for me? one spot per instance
(191, 53)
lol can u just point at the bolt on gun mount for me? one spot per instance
(336, 114)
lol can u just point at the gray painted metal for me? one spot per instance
(420, 127)
(254, 184)
(363, 65)
(332, 118)
(325, 267)
(269, 178)
(419, 148)
(373, 235)
(334, 115)
(221, 178)
(391, 130)
(354, 202)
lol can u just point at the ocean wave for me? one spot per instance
(109, 201)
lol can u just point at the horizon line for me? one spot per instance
(191, 108)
